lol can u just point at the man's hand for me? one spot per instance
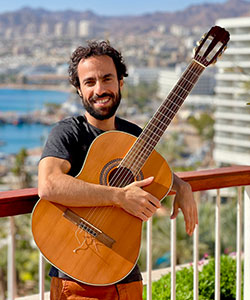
(184, 200)
(139, 202)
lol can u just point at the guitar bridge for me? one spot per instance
(89, 228)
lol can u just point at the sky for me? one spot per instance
(105, 7)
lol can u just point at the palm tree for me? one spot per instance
(20, 171)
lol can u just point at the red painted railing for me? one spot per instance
(19, 202)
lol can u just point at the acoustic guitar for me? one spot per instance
(101, 245)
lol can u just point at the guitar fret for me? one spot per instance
(158, 128)
(172, 102)
(185, 88)
(169, 110)
(165, 120)
(187, 91)
(176, 95)
(154, 131)
(158, 121)
(193, 73)
(154, 134)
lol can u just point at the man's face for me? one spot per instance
(99, 86)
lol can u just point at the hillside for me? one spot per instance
(204, 15)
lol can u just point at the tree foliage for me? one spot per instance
(140, 96)
(204, 125)
(19, 169)
(161, 289)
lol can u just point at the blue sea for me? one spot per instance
(15, 137)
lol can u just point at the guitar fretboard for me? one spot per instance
(153, 131)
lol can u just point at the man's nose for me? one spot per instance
(99, 88)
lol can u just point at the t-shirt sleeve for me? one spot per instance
(60, 142)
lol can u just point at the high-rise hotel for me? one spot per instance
(232, 115)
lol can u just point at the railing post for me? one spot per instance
(247, 242)
(239, 244)
(173, 259)
(196, 253)
(11, 261)
(217, 246)
(41, 277)
(149, 259)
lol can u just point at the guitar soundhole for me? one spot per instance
(120, 177)
(114, 175)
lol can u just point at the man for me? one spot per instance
(97, 72)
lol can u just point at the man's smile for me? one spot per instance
(102, 102)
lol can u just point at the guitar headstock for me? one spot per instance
(211, 46)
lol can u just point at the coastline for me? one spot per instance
(36, 114)
(27, 128)
(19, 86)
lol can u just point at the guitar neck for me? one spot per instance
(153, 131)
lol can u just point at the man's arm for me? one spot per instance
(54, 184)
(184, 200)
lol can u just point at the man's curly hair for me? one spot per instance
(95, 48)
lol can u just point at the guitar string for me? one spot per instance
(183, 90)
(122, 184)
(126, 179)
(162, 124)
(152, 136)
(175, 92)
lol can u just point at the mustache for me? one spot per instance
(96, 97)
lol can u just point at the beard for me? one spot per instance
(102, 113)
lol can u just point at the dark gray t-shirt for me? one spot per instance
(70, 139)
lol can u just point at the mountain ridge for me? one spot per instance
(202, 15)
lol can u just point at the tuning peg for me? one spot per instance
(214, 61)
(220, 54)
(203, 37)
(195, 49)
(201, 40)
(222, 51)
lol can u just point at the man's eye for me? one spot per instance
(89, 83)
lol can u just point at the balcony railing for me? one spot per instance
(22, 201)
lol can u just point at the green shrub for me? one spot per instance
(161, 289)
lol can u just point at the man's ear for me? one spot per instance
(79, 92)
(121, 83)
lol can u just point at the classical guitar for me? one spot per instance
(101, 245)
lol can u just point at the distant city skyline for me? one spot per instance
(107, 8)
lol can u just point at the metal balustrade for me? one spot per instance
(22, 201)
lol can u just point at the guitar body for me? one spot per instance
(105, 247)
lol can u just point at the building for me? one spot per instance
(147, 75)
(84, 29)
(232, 115)
(201, 97)
(72, 29)
(58, 30)
(44, 29)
